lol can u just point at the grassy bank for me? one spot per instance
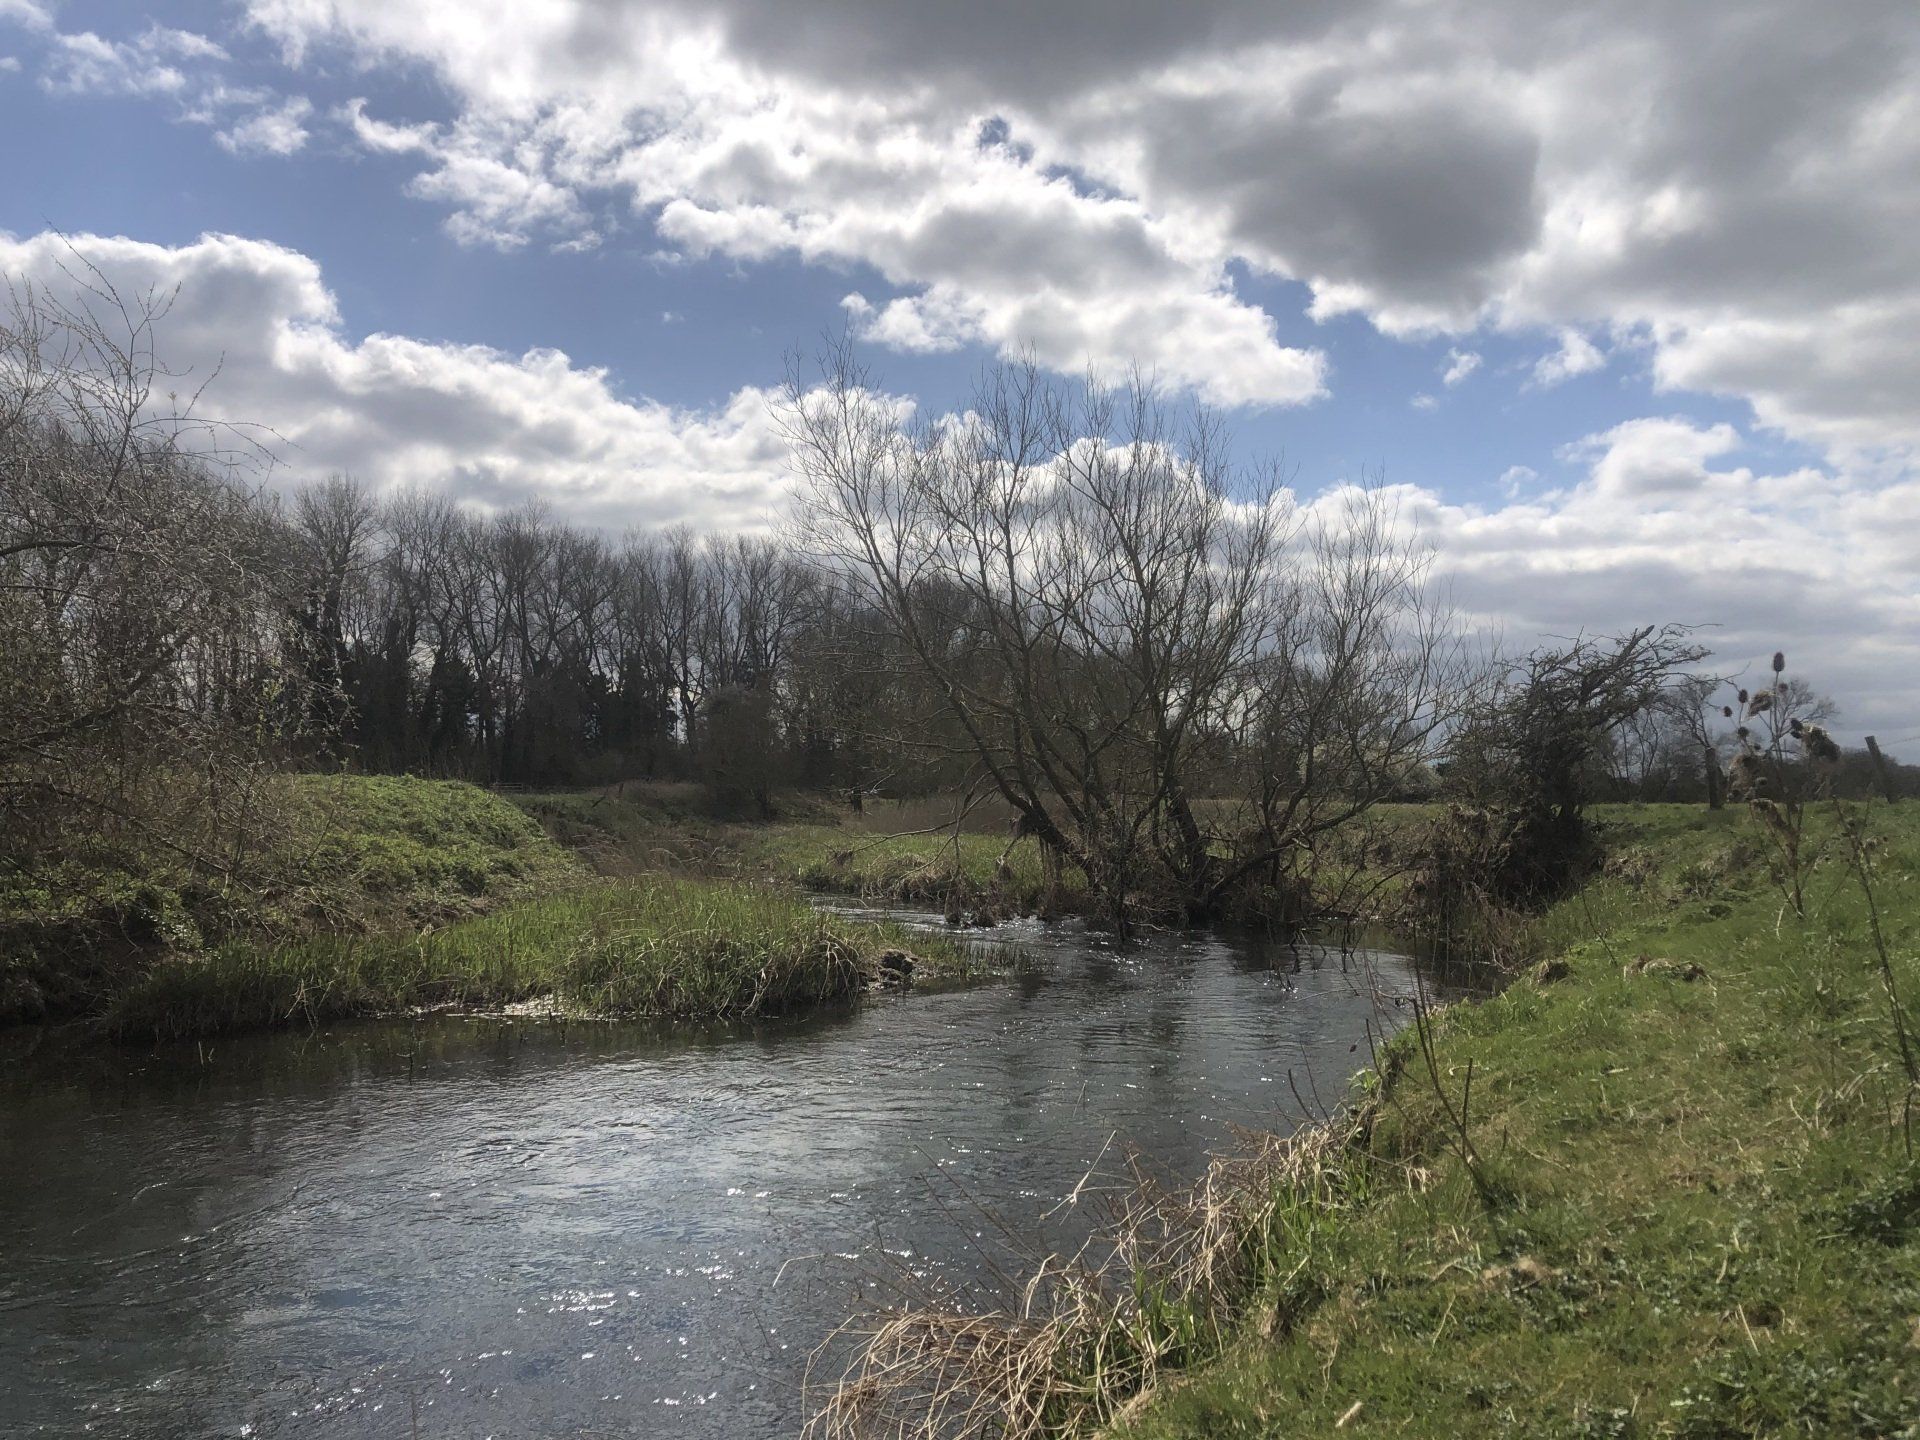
(960, 874)
(1695, 1213)
(342, 855)
(648, 947)
(814, 844)
(908, 853)
(1676, 1201)
(383, 894)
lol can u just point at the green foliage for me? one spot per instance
(401, 847)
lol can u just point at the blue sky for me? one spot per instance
(1305, 219)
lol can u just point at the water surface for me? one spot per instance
(471, 1227)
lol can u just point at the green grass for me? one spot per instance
(663, 828)
(639, 827)
(346, 854)
(392, 846)
(1706, 1222)
(919, 869)
(654, 947)
(385, 894)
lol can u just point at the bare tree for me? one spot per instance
(137, 618)
(1121, 624)
(1531, 758)
(332, 526)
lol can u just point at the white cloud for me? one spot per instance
(1460, 364)
(31, 14)
(277, 130)
(1847, 379)
(1653, 456)
(498, 197)
(493, 428)
(156, 62)
(1729, 187)
(385, 138)
(1425, 402)
(566, 104)
(1815, 562)
(180, 66)
(1516, 478)
(1577, 355)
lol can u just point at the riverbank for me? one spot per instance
(1662, 1187)
(386, 895)
(380, 895)
(658, 947)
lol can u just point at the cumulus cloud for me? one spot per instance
(492, 428)
(277, 130)
(1659, 527)
(1460, 364)
(987, 246)
(1577, 355)
(1729, 188)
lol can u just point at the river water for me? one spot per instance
(476, 1227)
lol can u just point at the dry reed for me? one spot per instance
(1159, 1287)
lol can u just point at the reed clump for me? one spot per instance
(709, 970)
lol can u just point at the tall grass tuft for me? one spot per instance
(1159, 1288)
(650, 947)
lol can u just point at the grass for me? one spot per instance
(347, 854)
(1709, 1222)
(933, 870)
(370, 848)
(385, 894)
(906, 852)
(664, 946)
(1695, 1212)
(650, 829)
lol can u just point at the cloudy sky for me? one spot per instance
(1622, 297)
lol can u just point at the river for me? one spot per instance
(477, 1227)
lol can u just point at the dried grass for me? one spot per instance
(1158, 1287)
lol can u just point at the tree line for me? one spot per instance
(516, 649)
(1071, 597)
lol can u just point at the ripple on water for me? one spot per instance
(511, 1228)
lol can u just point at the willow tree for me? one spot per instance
(1177, 677)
